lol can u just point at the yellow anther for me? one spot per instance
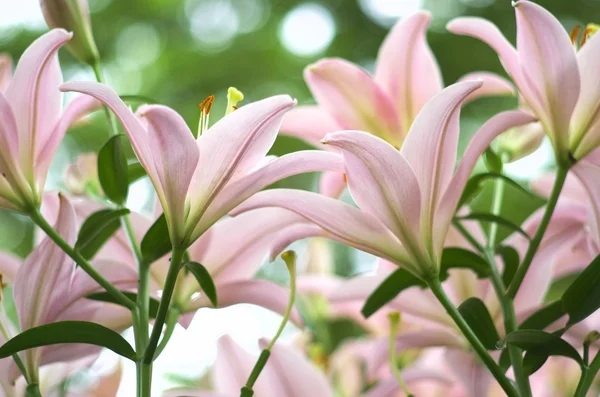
(589, 31)
(233, 97)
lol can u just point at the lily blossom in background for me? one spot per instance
(5, 72)
(199, 181)
(385, 104)
(32, 121)
(560, 85)
(407, 198)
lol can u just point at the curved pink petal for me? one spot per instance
(195, 393)
(431, 148)
(293, 375)
(353, 98)
(589, 175)
(262, 293)
(5, 72)
(572, 190)
(175, 156)
(234, 146)
(240, 189)
(487, 32)
(33, 94)
(383, 184)
(549, 68)
(309, 123)
(586, 116)
(474, 375)
(426, 380)
(343, 222)
(493, 85)
(406, 68)
(292, 234)
(483, 137)
(332, 184)
(9, 267)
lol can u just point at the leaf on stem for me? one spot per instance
(454, 257)
(510, 258)
(97, 229)
(156, 243)
(480, 321)
(135, 171)
(475, 185)
(395, 283)
(582, 298)
(487, 217)
(112, 169)
(204, 279)
(108, 298)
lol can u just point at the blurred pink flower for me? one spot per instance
(32, 121)
(407, 199)
(199, 181)
(561, 86)
(386, 104)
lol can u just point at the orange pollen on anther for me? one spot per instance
(587, 33)
(575, 34)
(345, 179)
(206, 104)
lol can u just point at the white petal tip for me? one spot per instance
(515, 4)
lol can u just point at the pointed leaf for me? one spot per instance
(544, 317)
(135, 171)
(395, 283)
(204, 279)
(492, 161)
(68, 332)
(108, 298)
(97, 229)
(156, 243)
(479, 319)
(112, 169)
(542, 343)
(510, 258)
(582, 298)
(475, 185)
(454, 257)
(487, 217)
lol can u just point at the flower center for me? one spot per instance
(233, 97)
(589, 31)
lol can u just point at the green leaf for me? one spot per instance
(475, 185)
(479, 319)
(542, 343)
(533, 361)
(112, 169)
(395, 283)
(137, 98)
(582, 298)
(204, 279)
(68, 332)
(454, 257)
(492, 161)
(544, 317)
(135, 171)
(487, 217)
(108, 298)
(156, 243)
(97, 229)
(510, 258)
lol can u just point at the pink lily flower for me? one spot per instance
(56, 291)
(5, 72)
(199, 181)
(558, 83)
(405, 223)
(32, 121)
(385, 104)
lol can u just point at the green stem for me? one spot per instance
(33, 390)
(488, 361)
(110, 118)
(144, 379)
(39, 220)
(506, 304)
(171, 323)
(561, 175)
(587, 377)
(165, 302)
(394, 318)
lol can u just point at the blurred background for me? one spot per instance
(177, 52)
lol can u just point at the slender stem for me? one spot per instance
(394, 318)
(171, 323)
(291, 264)
(144, 379)
(39, 220)
(165, 301)
(495, 370)
(506, 304)
(587, 377)
(33, 390)
(6, 336)
(110, 118)
(561, 175)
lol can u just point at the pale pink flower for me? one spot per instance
(199, 181)
(32, 121)
(385, 104)
(561, 86)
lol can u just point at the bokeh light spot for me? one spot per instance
(307, 29)
(213, 24)
(387, 12)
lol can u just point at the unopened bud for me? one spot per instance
(518, 142)
(81, 177)
(74, 16)
(289, 257)
(591, 338)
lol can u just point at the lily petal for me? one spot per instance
(9, 267)
(262, 293)
(474, 376)
(589, 175)
(374, 169)
(551, 81)
(493, 85)
(34, 96)
(5, 72)
(343, 222)
(353, 98)
(332, 184)
(406, 68)
(175, 156)
(309, 123)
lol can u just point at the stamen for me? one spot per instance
(575, 35)
(233, 97)
(589, 31)
(205, 107)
